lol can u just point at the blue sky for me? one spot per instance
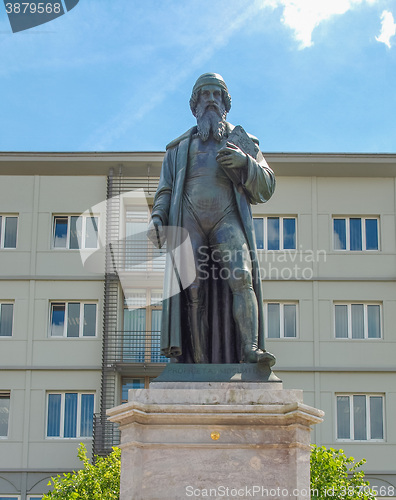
(116, 75)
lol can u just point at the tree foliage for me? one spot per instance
(100, 481)
(336, 476)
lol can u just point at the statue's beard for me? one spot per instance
(211, 120)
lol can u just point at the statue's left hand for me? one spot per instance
(231, 156)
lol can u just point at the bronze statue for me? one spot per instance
(210, 176)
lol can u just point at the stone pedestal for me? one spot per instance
(238, 440)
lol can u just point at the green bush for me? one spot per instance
(100, 481)
(335, 476)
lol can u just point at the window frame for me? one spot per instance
(2, 231)
(83, 231)
(5, 393)
(124, 383)
(281, 218)
(281, 303)
(349, 305)
(81, 319)
(368, 418)
(347, 219)
(14, 497)
(11, 302)
(62, 414)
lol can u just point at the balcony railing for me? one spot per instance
(125, 347)
(137, 254)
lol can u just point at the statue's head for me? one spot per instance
(210, 103)
(209, 79)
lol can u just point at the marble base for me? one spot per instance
(215, 439)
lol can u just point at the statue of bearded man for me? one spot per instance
(210, 176)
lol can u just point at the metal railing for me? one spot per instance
(133, 347)
(122, 349)
(136, 254)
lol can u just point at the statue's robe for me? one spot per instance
(258, 184)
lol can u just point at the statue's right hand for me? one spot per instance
(156, 232)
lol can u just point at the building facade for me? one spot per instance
(80, 308)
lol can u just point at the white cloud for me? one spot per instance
(388, 28)
(303, 16)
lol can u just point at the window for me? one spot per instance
(75, 232)
(130, 383)
(34, 497)
(281, 320)
(8, 497)
(142, 326)
(275, 233)
(4, 412)
(6, 319)
(70, 414)
(355, 233)
(357, 321)
(73, 319)
(360, 417)
(8, 231)
(140, 254)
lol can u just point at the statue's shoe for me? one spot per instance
(260, 356)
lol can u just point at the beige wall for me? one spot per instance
(316, 361)
(33, 275)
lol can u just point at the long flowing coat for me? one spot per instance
(257, 186)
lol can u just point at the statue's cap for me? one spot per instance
(210, 79)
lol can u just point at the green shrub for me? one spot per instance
(100, 481)
(335, 476)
